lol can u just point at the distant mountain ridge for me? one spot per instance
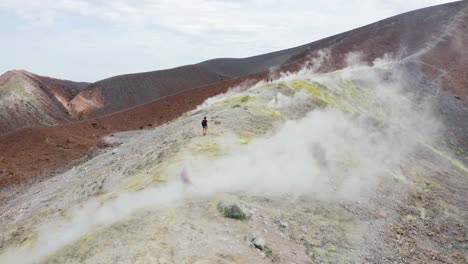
(422, 32)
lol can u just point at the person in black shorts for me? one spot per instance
(204, 124)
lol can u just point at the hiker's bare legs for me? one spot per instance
(204, 130)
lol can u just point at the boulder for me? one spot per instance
(232, 210)
(259, 243)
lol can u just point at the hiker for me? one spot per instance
(184, 177)
(204, 124)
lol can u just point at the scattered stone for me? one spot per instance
(270, 254)
(284, 225)
(232, 210)
(236, 106)
(311, 244)
(217, 122)
(250, 237)
(259, 243)
(261, 246)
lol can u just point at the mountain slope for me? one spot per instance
(238, 67)
(28, 100)
(126, 91)
(400, 36)
(370, 41)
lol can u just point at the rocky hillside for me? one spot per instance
(29, 100)
(339, 167)
(355, 152)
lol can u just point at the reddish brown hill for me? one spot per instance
(399, 36)
(125, 91)
(68, 88)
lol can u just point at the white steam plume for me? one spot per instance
(328, 154)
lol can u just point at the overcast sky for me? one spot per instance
(88, 40)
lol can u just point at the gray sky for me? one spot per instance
(88, 40)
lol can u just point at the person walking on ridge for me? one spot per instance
(204, 124)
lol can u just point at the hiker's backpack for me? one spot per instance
(203, 122)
